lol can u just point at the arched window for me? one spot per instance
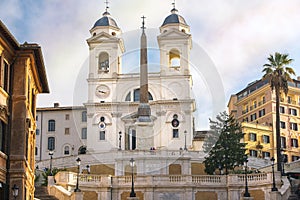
(51, 143)
(67, 150)
(174, 58)
(82, 150)
(51, 125)
(83, 116)
(128, 97)
(103, 62)
(136, 95)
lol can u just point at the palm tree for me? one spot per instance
(278, 74)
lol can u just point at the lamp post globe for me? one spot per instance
(78, 161)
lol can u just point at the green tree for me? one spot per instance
(278, 74)
(228, 152)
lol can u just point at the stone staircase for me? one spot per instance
(42, 193)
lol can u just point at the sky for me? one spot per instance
(233, 37)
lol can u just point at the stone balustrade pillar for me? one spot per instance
(275, 195)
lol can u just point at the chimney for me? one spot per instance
(56, 105)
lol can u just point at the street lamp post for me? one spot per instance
(282, 161)
(132, 193)
(247, 194)
(185, 140)
(274, 188)
(120, 137)
(78, 169)
(51, 154)
(15, 191)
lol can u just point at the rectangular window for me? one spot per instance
(2, 135)
(253, 153)
(37, 131)
(67, 131)
(282, 125)
(261, 113)
(51, 143)
(252, 136)
(102, 135)
(83, 116)
(293, 111)
(51, 125)
(282, 109)
(293, 126)
(84, 133)
(67, 117)
(289, 100)
(283, 142)
(253, 117)
(5, 80)
(36, 151)
(294, 143)
(266, 154)
(266, 139)
(175, 133)
(254, 104)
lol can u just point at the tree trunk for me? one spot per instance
(278, 140)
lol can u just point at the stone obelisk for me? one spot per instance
(144, 111)
(144, 124)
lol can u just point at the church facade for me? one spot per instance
(114, 97)
(112, 118)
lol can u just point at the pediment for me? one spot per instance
(102, 37)
(174, 33)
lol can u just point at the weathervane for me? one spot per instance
(143, 23)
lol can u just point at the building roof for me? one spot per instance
(38, 56)
(106, 20)
(174, 18)
(58, 108)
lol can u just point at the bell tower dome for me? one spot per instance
(105, 50)
(175, 43)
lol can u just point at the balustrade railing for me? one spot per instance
(69, 178)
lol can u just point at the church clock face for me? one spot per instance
(102, 91)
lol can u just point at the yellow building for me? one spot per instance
(259, 139)
(22, 77)
(256, 105)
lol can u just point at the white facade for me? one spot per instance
(59, 130)
(113, 97)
